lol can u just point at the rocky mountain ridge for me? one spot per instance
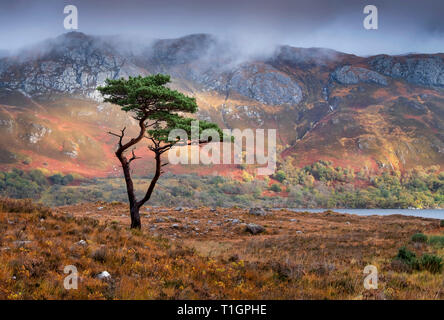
(360, 111)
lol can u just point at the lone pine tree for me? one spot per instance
(156, 109)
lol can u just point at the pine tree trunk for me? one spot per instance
(133, 203)
(135, 217)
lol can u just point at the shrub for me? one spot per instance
(441, 224)
(56, 178)
(62, 180)
(22, 206)
(246, 177)
(437, 241)
(275, 187)
(400, 266)
(427, 262)
(419, 237)
(67, 179)
(407, 256)
(431, 263)
(182, 191)
(100, 255)
(231, 188)
(280, 176)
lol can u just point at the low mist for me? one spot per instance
(254, 27)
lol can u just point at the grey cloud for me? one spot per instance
(256, 25)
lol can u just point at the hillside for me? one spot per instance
(373, 112)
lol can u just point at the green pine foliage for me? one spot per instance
(150, 99)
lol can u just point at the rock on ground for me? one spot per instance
(254, 228)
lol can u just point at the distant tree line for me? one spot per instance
(29, 184)
(318, 185)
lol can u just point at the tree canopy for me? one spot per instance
(148, 98)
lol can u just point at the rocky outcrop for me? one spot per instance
(71, 149)
(257, 81)
(7, 124)
(36, 133)
(72, 63)
(242, 112)
(76, 64)
(265, 84)
(425, 70)
(411, 105)
(353, 75)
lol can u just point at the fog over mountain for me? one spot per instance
(405, 26)
(384, 110)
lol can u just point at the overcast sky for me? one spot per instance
(404, 25)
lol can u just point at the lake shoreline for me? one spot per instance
(421, 213)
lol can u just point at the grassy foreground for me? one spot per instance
(206, 254)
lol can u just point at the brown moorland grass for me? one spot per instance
(206, 254)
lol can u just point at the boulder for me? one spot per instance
(82, 243)
(257, 212)
(254, 228)
(104, 275)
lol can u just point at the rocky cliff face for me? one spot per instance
(354, 75)
(420, 70)
(264, 84)
(376, 111)
(73, 63)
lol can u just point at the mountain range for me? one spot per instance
(364, 112)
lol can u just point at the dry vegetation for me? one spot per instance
(206, 254)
